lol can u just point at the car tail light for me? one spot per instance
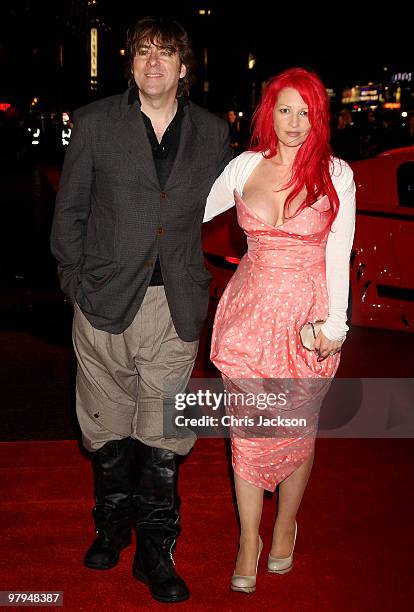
(233, 260)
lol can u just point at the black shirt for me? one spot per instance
(164, 154)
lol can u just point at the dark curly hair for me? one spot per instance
(164, 32)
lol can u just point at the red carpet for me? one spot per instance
(353, 552)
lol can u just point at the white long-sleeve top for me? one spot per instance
(339, 243)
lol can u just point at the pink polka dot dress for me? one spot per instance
(279, 285)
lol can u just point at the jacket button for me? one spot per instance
(163, 195)
(160, 231)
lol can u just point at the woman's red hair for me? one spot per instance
(311, 168)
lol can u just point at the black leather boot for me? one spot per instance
(113, 511)
(156, 505)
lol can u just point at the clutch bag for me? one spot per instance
(308, 333)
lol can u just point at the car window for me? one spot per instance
(405, 182)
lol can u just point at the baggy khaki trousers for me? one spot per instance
(126, 383)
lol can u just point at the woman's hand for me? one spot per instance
(325, 347)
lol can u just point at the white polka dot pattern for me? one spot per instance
(279, 285)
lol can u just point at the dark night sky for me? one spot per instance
(342, 45)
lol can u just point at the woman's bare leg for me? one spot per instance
(290, 495)
(250, 504)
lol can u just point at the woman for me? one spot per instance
(296, 204)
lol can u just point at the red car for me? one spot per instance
(382, 259)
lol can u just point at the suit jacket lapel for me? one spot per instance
(188, 150)
(132, 137)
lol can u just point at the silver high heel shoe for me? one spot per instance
(246, 584)
(284, 565)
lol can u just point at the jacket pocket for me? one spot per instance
(97, 272)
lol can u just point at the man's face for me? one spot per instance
(290, 118)
(157, 69)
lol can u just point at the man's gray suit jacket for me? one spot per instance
(112, 219)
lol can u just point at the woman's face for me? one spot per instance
(290, 118)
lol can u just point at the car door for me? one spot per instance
(403, 225)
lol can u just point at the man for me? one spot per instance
(234, 128)
(127, 236)
(236, 132)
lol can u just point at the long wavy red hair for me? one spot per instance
(311, 167)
